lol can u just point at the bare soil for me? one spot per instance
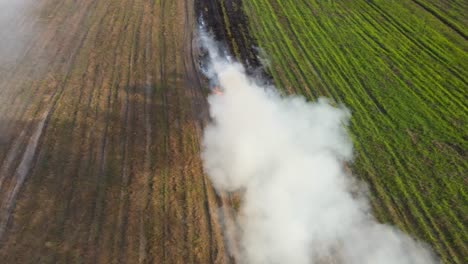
(101, 119)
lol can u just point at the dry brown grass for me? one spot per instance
(116, 177)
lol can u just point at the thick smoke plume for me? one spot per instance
(286, 157)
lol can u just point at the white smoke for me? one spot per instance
(15, 29)
(286, 158)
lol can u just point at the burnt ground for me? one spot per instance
(228, 24)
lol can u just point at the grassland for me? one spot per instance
(99, 148)
(401, 67)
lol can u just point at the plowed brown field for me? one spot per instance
(99, 150)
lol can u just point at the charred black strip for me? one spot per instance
(228, 23)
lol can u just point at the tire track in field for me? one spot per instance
(75, 170)
(31, 105)
(442, 19)
(115, 173)
(127, 171)
(148, 93)
(30, 150)
(20, 175)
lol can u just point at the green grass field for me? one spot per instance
(401, 68)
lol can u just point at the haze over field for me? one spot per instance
(286, 157)
(13, 34)
(15, 31)
(99, 130)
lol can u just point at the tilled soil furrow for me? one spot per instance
(112, 174)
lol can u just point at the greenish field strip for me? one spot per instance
(403, 73)
(452, 13)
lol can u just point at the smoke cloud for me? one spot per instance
(286, 157)
(15, 29)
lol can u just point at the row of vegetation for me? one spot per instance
(401, 67)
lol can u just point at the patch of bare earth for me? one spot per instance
(101, 123)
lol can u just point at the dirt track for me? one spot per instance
(100, 126)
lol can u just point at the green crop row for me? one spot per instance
(402, 71)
